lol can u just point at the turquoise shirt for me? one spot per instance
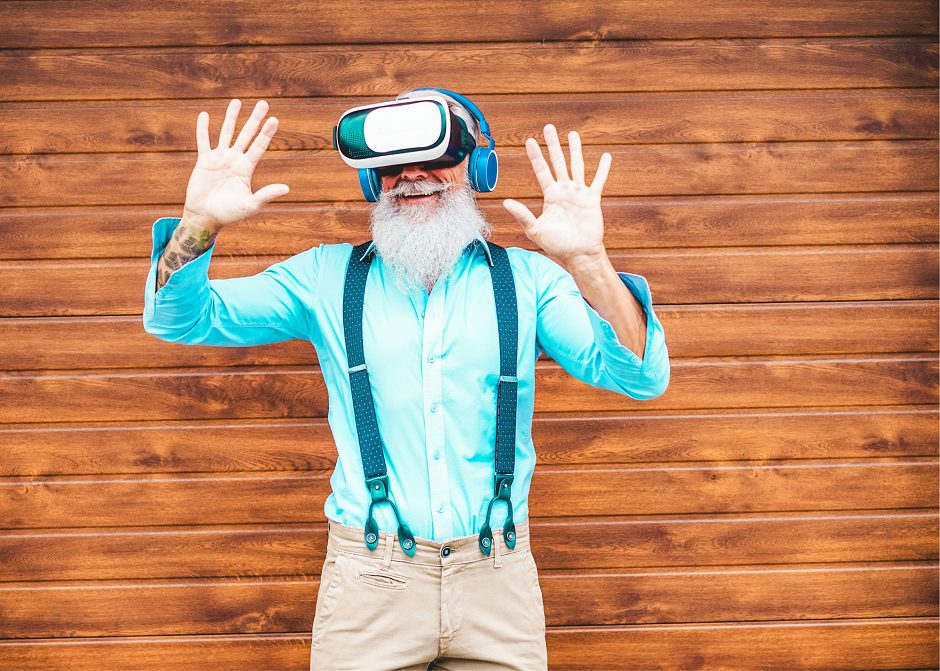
(433, 362)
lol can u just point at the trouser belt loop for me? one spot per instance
(389, 543)
(497, 559)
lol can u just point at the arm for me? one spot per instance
(604, 290)
(591, 346)
(586, 345)
(189, 308)
(181, 304)
(189, 241)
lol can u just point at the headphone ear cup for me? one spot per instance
(371, 184)
(483, 169)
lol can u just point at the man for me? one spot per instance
(432, 353)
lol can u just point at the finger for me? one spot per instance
(268, 193)
(258, 147)
(555, 153)
(228, 126)
(600, 177)
(520, 213)
(542, 172)
(251, 126)
(202, 133)
(577, 158)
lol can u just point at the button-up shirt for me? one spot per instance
(433, 362)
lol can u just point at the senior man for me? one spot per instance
(427, 337)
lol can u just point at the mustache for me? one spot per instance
(421, 188)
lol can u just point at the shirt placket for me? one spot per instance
(434, 413)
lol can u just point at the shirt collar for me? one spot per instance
(477, 241)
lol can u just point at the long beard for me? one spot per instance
(421, 244)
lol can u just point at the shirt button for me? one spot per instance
(430, 358)
(434, 407)
(440, 508)
(445, 551)
(437, 454)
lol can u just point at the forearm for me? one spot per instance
(603, 289)
(190, 239)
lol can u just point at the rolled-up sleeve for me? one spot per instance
(586, 345)
(273, 305)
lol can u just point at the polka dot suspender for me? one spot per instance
(370, 444)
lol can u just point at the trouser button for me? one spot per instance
(445, 551)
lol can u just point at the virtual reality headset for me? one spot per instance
(381, 138)
(396, 133)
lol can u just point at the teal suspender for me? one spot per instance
(370, 444)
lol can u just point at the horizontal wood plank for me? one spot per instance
(653, 596)
(575, 544)
(681, 276)
(601, 118)
(121, 500)
(629, 223)
(564, 438)
(638, 170)
(86, 23)
(854, 327)
(853, 645)
(471, 68)
(266, 392)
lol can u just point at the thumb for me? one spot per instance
(269, 193)
(520, 213)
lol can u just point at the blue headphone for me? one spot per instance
(482, 171)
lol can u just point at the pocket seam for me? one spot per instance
(375, 579)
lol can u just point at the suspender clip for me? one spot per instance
(502, 487)
(378, 489)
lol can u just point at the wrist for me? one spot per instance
(589, 264)
(193, 220)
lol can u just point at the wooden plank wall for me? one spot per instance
(774, 177)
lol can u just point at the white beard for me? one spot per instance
(421, 244)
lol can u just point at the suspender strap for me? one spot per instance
(507, 317)
(370, 444)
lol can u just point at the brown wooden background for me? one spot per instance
(775, 179)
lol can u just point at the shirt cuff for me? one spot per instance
(184, 283)
(612, 350)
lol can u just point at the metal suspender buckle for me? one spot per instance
(502, 490)
(378, 489)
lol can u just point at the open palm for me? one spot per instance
(219, 190)
(571, 224)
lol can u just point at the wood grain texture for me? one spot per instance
(280, 392)
(639, 170)
(629, 223)
(652, 596)
(567, 438)
(743, 275)
(122, 500)
(806, 327)
(596, 543)
(471, 68)
(855, 645)
(84, 23)
(650, 117)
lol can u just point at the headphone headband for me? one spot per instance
(472, 108)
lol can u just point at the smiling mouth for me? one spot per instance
(419, 197)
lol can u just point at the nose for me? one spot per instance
(414, 171)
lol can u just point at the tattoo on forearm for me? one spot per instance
(185, 245)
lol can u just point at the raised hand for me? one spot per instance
(571, 225)
(219, 190)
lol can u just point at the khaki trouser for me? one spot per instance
(450, 607)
